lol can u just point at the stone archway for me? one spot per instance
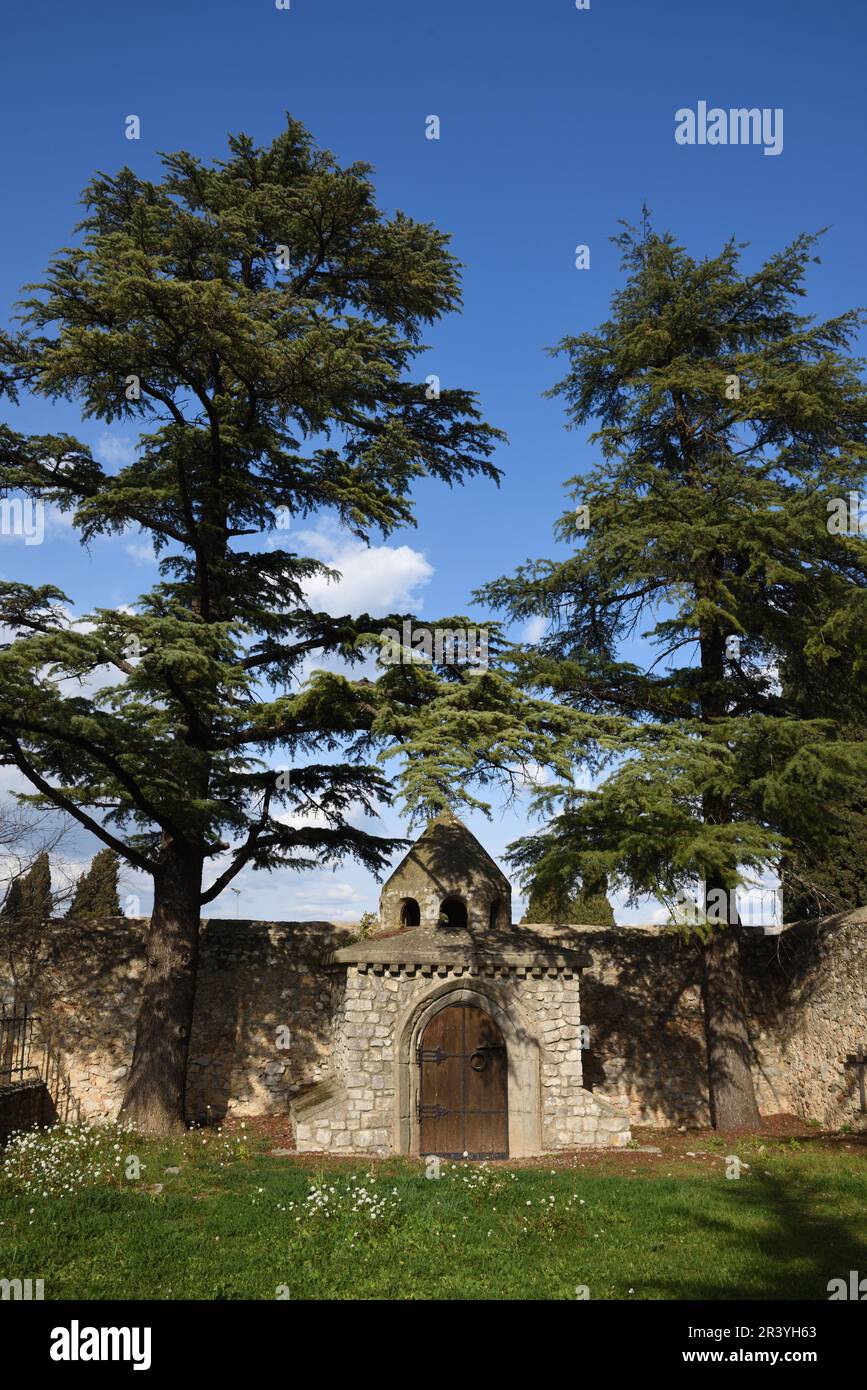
(524, 1072)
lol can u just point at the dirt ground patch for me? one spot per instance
(652, 1150)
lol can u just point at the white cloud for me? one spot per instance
(374, 579)
(533, 775)
(117, 449)
(534, 628)
(141, 551)
(330, 902)
(11, 780)
(28, 522)
(285, 897)
(298, 819)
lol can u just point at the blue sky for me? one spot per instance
(555, 123)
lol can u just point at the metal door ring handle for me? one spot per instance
(482, 1062)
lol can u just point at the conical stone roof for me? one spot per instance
(447, 862)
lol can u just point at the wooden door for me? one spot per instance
(463, 1085)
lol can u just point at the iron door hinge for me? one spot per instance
(430, 1112)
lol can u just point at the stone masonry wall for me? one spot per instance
(640, 998)
(816, 1009)
(642, 1004)
(254, 978)
(806, 997)
(253, 982)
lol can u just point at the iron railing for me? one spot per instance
(24, 1058)
(16, 1047)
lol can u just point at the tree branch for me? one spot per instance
(59, 799)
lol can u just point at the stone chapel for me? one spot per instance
(458, 1032)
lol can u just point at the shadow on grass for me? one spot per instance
(799, 1246)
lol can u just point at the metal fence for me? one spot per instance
(16, 1047)
(24, 1058)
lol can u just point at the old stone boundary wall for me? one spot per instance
(266, 1005)
(806, 997)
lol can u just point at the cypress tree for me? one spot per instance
(592, 906)
(37, 889)
(589, 906)
(13, 902)
(27, 906)
(28, 898)
(96, 891)
(830, 878)
(824, 867)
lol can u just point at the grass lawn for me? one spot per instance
(236, 1222)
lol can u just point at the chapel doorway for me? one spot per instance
(463, 1085)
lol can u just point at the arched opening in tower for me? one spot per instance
(453, 912)
(410, 913)
(499, 915)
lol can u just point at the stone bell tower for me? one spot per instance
(447, 879)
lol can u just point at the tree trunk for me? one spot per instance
(729, 1053)
(155, 1089)
(731, 1092)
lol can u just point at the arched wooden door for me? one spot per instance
(463, 1085)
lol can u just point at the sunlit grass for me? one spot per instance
(236, 1223)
